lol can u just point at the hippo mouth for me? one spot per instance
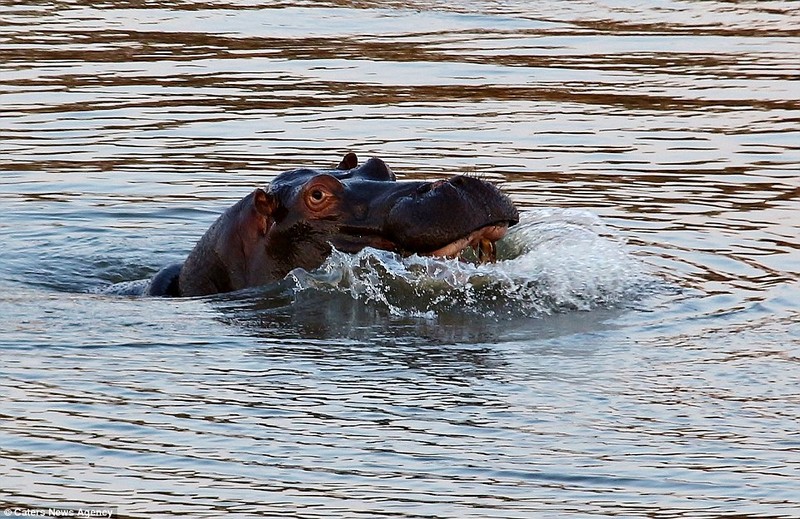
(483, 242)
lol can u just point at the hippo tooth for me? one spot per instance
(487, 251)
(481, 241)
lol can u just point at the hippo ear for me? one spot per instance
(264, 203)
(348, 162)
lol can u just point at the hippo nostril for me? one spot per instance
(430, 186)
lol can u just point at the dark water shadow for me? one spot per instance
(279, 313)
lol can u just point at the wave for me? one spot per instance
(554, 260)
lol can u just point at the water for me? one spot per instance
(635, 353)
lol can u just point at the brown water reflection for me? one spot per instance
(127, 126)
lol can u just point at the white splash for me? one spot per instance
(553, 260)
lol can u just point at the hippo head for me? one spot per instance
(305, 212)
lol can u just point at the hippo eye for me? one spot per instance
(318, 198)
(320, 193)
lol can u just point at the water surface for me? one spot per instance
(636, 353)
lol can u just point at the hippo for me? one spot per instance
(305, 213)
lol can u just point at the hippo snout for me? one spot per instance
(446, 211)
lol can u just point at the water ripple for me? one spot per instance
(634, 354)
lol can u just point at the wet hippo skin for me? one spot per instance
(305, 212)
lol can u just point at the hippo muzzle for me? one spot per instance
(444, 218)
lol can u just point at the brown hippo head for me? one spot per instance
(305, 212)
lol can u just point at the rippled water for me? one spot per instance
(635, 353)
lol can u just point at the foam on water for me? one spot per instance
(553, 260)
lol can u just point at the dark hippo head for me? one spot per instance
(366, 206)
(305, 212)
